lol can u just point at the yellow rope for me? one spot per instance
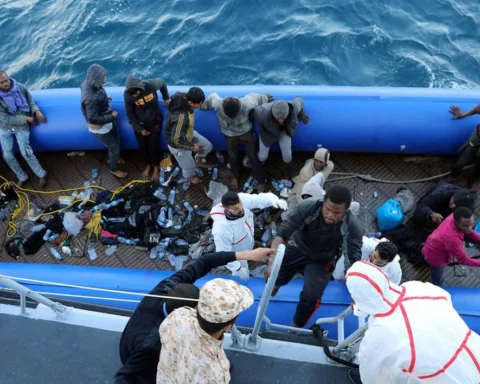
(94, 224)
(24, 201)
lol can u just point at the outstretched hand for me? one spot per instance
(261, 254)
(303, 117)
(40, 117)
(282, 204)
(456, 112)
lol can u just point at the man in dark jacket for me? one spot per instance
(100, 117)
(440, 201)
(321, 231)
(278, 122)
(140, 342)
(145, 115)
(180, 135)
(17, 112)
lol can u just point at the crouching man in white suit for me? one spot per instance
(233, 225)
(414, 333)
(381, 253)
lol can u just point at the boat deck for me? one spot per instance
(70, 172)
(42, 351)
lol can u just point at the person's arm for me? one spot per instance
(93, 117)
(424, 212)
(130, 110)
(262, 201)
(299, 110)
(211, 101)
(142, 362)
(253, 100)
(223, 238)
(180, 129)
(395, 271)
(454, 247)
(458, 114)
(161, 86)
(354, 241)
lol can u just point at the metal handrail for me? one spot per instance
(253, 341)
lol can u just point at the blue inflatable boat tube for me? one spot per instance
(280, 309)
(342, 119)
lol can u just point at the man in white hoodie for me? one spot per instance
(381, 253)
(233, 225)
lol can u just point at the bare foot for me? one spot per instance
(195, 180)
(119, 174)
(234, 184)
(156, 174)
(146, 172)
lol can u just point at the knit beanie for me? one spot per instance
(280, 110)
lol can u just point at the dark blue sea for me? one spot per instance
(413, 43)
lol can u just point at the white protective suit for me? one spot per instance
(393, 269)
(238, 235)
(415, 335)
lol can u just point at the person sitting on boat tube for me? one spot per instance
(320, 163)
(233, 224)
(145, 116)
(233, 115)
(469, 152)
(180, 135)
(140, 342)
(381, 253)
(192, 349)
(100, 117)
(318, 232)
(440, 201)
(414, 333)
(278, 122)
(18, 112)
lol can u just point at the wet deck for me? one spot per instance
(70, 172)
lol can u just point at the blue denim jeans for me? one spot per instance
(111, 140)
(436, 275)
(23, 140)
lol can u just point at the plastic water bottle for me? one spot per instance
(94, 173)
(286, 183)
(181, 180)
(202, 212)
(277, 185)
(53, 237)
(123, 240)
(220, 157)
(187, 205)
(247, 183)
(55, 253)
(170, 214)
(171, 196)
(273, 227)
(215, 174)
(47, 234)
(175, 172)
(160, 195)
(181, 242)
(199, 172)
(162, 217)
(92, 254)
(111, 250)
(265, 237)
(115, 203)
(153, 253)
(162, 176)
(37, 228)
(376, 235)
(76, 153)
(186, 185)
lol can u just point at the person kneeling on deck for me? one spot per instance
(278, 122)
(381, 253)
(446, 243)
(320, 230)
(233, 115)
(145, 116)
(18, 112)
(180, 135)
(320, 163)
(440, 201)
(192, 338)
(233, 224)
(414, 334)
(140, 342)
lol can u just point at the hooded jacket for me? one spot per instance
(179, 123)
(269, 128)
(94, 101)
(308, 171)
(144, 111)
(414, 333)
(238, 235)
(393, 270)
(140, 342)
(241, 124)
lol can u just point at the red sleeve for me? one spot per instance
(473, 237)
(454, 248)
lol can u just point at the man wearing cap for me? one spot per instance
(278, 122)
(446, 243)
(140, 342)
(440, 201)
(233, 115)
(180, 135)
(320, 163)
(192, 338)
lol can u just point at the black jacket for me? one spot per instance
(94, 101)
(140, 342)
(308, 212)
(179, 123)
(437, 199)
(144, 111)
